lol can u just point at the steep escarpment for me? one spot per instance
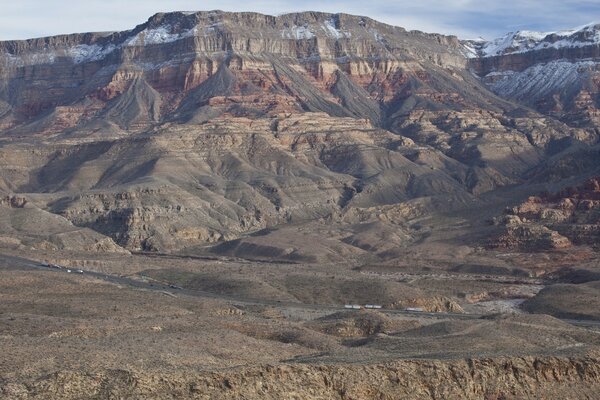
(176, 52)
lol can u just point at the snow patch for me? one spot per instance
(330, 28)
(469, 50)
(378, 37)
(210, 29)
(298, 33)
(158, 35)
(87, 53)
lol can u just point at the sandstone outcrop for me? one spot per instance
(554, 221)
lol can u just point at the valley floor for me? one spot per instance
(149, 326)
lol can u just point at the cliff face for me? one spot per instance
(174, 53)
(198, 127)
(492, 379)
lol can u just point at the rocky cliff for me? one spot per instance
(555, 221)
(490, 379)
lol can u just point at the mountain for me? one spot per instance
(201, 206)
(203, 127)
(556, 73)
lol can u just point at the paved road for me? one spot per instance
(12, 262)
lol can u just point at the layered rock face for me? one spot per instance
(195, 128)
(247, 54)
(557, 73)
(555, 221)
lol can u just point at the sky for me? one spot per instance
(468, 19)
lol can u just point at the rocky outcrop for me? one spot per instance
(501, 378)
(554, 221)
(434, 304)
(531, 237)
(13, 201)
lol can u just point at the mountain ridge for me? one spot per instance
(199, 127)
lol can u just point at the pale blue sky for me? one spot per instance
(20, 19)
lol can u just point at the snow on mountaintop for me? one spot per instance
(297, 33)
(524, 41)
(88, 53)
(540, 80)
(309, 32)
(332, 30)
(163, 32)
(159, 35)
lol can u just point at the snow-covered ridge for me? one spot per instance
(156, 35)
(525, 41)
(540, 80)
(306, 31)
(89, 53)
(163, 34)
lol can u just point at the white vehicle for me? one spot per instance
(79, 271)
(356, 307)
(69, 271)
(349, 306)
(414, 309)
